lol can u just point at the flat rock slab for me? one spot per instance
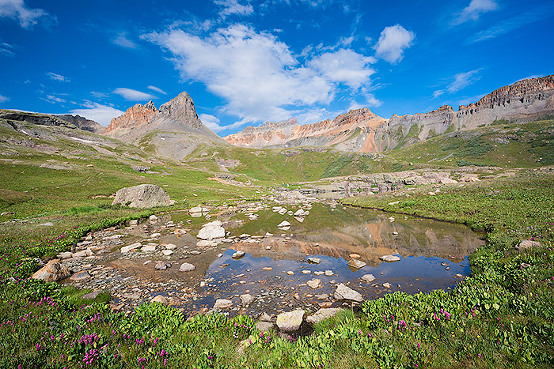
(223, 304)
(346, 293)
(237, 255)
(390, 258)
(134, 246)
(368, 278)
(322, 314)
(80, 276)
(186, 267)
(312, 260)
(290, 321)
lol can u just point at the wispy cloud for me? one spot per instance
(3, 99)
(473, 11)
(6, 49)
(52, 99)
(122, 39)
(133, 95)
(18, 10)
(157, 89)
(514, 23)
(392, 43)
(102, 114)
(231, 7)
(57, 77)
(459, 82)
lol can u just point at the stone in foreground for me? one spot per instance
(368, 278)
(161, 299)
(186, 267)
(322, 314)
(52, 272)
(142, 196)
(223, 304)
(290, 321)
(527, 244)
(212, 231)
(390, 258)
(346, 293)
(264, 326)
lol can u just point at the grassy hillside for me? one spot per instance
(501, 144)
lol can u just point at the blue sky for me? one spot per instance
(245, 62)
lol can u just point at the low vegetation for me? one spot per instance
(501, 316)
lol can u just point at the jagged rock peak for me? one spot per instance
(136, 115)
(180, 106)
(354, 115)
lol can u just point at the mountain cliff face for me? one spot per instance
(82, 123)
(173, 131)
(347, 132)
(523, 101)
(362, 131)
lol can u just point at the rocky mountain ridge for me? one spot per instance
(362, 131)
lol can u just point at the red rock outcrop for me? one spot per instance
(136, 116)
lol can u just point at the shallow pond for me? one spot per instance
(275, 269)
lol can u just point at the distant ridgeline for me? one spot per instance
(362, 131)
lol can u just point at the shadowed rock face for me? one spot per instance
(142, 196)
(172, 132)
(362, 131)
(83, 123)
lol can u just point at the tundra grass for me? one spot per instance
(500, 316)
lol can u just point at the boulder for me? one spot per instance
(246, 299)
(322, 314)
(390, 258)
(526, 244)
(223, 304)
(211, 231)
(142, 196)
(238, 254)
(313, 260)
(290, 321)
(186, 267)
(283, 224)
(161, 299)
(264, 326)
(346, 293)
(53, 271)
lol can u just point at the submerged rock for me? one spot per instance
(223, 304)
(390, 258)
(368, 278)
(356, 264)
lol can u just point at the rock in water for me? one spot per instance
(142, 196)
(290, 321)
(52, 272)
(368, 278)
(390, 258)
(356, 264)
(246, 299)
(346, 293)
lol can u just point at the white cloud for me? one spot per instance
(474, 10)
(133, 95)
(392, 42)
(52, 99)
(346, 66)
(157, 89)
(233, 7)
(3, 99)
(123, 40)
(254, 72)
(16, 9)
(57, 77)
(102, 114)
(459, 82)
